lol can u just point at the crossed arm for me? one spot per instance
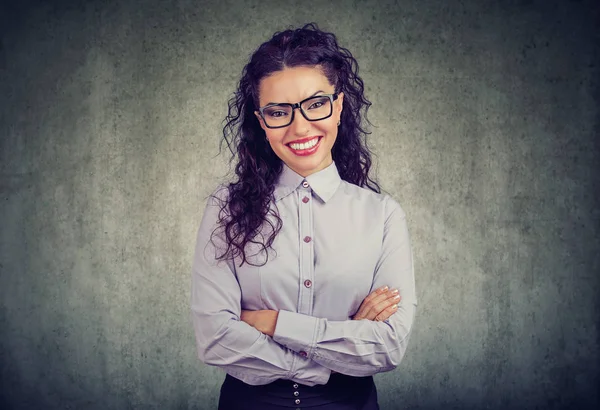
(378, 306)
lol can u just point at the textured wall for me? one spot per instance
(486, 129)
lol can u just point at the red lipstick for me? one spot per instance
(307, 151)
(303, 140)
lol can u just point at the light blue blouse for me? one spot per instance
(338, 243)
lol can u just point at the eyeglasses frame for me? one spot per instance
(332, 97)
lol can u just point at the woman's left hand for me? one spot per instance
(262, 320)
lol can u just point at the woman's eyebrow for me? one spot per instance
(313, 94)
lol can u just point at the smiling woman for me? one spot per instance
(303, 284)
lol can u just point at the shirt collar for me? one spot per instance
(323, 183)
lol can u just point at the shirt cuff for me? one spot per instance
(297, 332)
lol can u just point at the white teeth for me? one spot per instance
(305, 145)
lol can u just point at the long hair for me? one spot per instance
(245, 210)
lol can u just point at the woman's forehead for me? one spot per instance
(291, 85)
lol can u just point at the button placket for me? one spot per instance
(306, 249)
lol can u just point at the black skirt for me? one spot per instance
(340, 393)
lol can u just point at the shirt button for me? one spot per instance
(305, 199)
(303, 353)
(307, 239)
(296, 393)
(297, 401)
(307, 283)
(305, 184)
(295, 385)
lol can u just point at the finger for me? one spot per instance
(364, 307)
(377, 292)
(379, 303)
(386, 313)
(387, 304)
(381, 306)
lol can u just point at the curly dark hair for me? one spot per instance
(246, 207)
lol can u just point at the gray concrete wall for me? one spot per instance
(486, 116)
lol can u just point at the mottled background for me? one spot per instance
(486, 131)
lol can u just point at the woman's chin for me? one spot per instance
(307, 166)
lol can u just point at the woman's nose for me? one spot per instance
(299, 125)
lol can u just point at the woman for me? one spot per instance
(303, 282)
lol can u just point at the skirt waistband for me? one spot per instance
(340, 392)
(335, 379)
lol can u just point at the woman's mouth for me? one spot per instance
(307, 148)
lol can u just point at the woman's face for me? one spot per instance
(292, 85)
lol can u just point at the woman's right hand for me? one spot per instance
(379, 305)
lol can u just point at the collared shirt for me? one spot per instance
(338, 243)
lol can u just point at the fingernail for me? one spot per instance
(383, 289)
(394, 307)
(396, 297)
(394, 291)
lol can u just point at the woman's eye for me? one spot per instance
(317, 104)
(276, 113)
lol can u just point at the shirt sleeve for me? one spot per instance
(362, 347)
(222, 339)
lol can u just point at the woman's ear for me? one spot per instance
(340, 101)
(260, 120)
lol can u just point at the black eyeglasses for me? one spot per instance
(314, 108)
